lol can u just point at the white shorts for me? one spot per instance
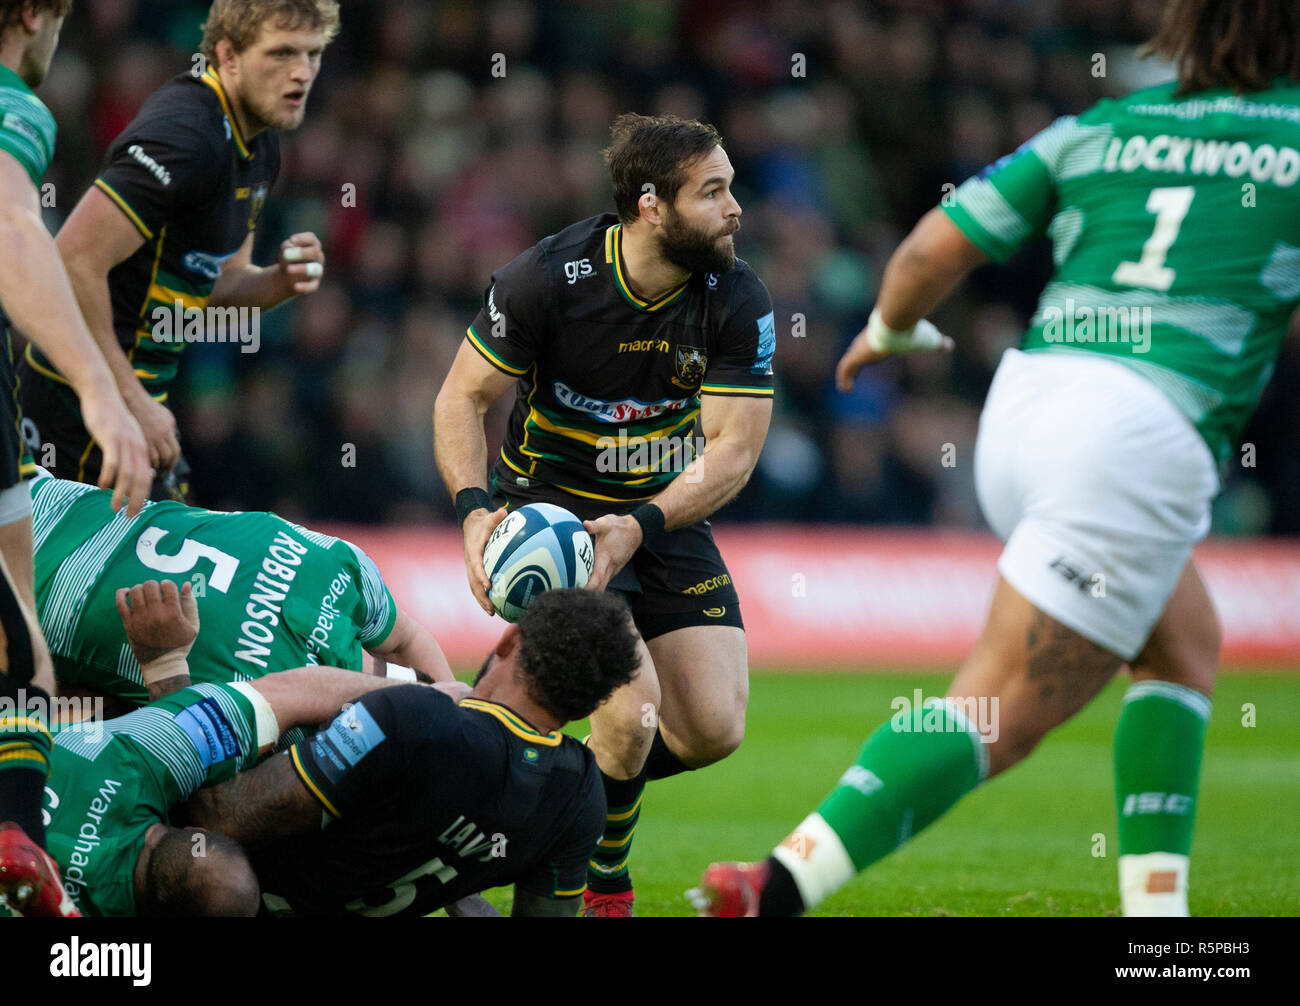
(1098, 486)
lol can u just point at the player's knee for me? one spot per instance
(714, 739)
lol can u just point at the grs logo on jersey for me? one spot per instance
(578, 269)
(627, 410)
(691, 364)
(711, 279)
(149, 164)
(493, 313)
(225, 121)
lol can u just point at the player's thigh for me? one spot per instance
(623, 728)
(704, 679)
(1184, 645)
(1039, 670)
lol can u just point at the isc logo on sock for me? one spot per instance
(1157, 803)
(862, 779)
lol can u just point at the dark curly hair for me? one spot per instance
(577, 647)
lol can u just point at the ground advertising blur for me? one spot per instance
(844, 598)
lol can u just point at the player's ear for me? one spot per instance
(651, 208)
(225, 50)
(509, 642)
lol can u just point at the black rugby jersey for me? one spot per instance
(610, 384)
(193, 187)
(427, 802)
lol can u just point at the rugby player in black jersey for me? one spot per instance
(425, 802)
(627, 337)
(165, 235)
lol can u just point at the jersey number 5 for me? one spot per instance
(224, 564)
(1170, 205)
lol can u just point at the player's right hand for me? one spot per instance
(158, 618)
(126, 468)
(479, 526)
(159, 428)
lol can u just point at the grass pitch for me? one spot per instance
(1028, 843)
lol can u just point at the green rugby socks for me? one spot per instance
(908, 773)
(1158, 745)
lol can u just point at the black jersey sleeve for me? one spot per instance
(563, 873)
(741, 361)
(370, 747)
(156, 166)
(510, 329)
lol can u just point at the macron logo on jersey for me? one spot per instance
(149, 164)
(627, 410)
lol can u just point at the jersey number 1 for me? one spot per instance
(224, 564)
(1170, 206)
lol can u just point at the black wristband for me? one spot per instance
(651, 519)
(469, 500)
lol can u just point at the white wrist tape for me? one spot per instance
(268, 727)
(884, 339)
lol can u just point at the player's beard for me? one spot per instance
(263, 115)
(693, 248)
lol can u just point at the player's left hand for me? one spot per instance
(616, 540)
(158, 618)
(302, 260)
(456, 689)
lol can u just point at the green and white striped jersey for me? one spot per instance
(110, 782)
(1175, 225)
(27, 129)
(271, 595)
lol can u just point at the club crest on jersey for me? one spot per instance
(691, 364)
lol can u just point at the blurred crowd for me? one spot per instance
(443, 138)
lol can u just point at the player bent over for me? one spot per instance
(273, 595)
(110, 789)
(1097, 450)
(625, 337)
(425, 801)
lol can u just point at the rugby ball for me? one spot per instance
(537, 547)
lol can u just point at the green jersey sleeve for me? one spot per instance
(195, 737)
(1012, 201)
(27, 128)
(380, 611)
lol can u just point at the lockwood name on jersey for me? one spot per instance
(1180, 155)
(270, 587)
(102, 960)
(179, 323)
